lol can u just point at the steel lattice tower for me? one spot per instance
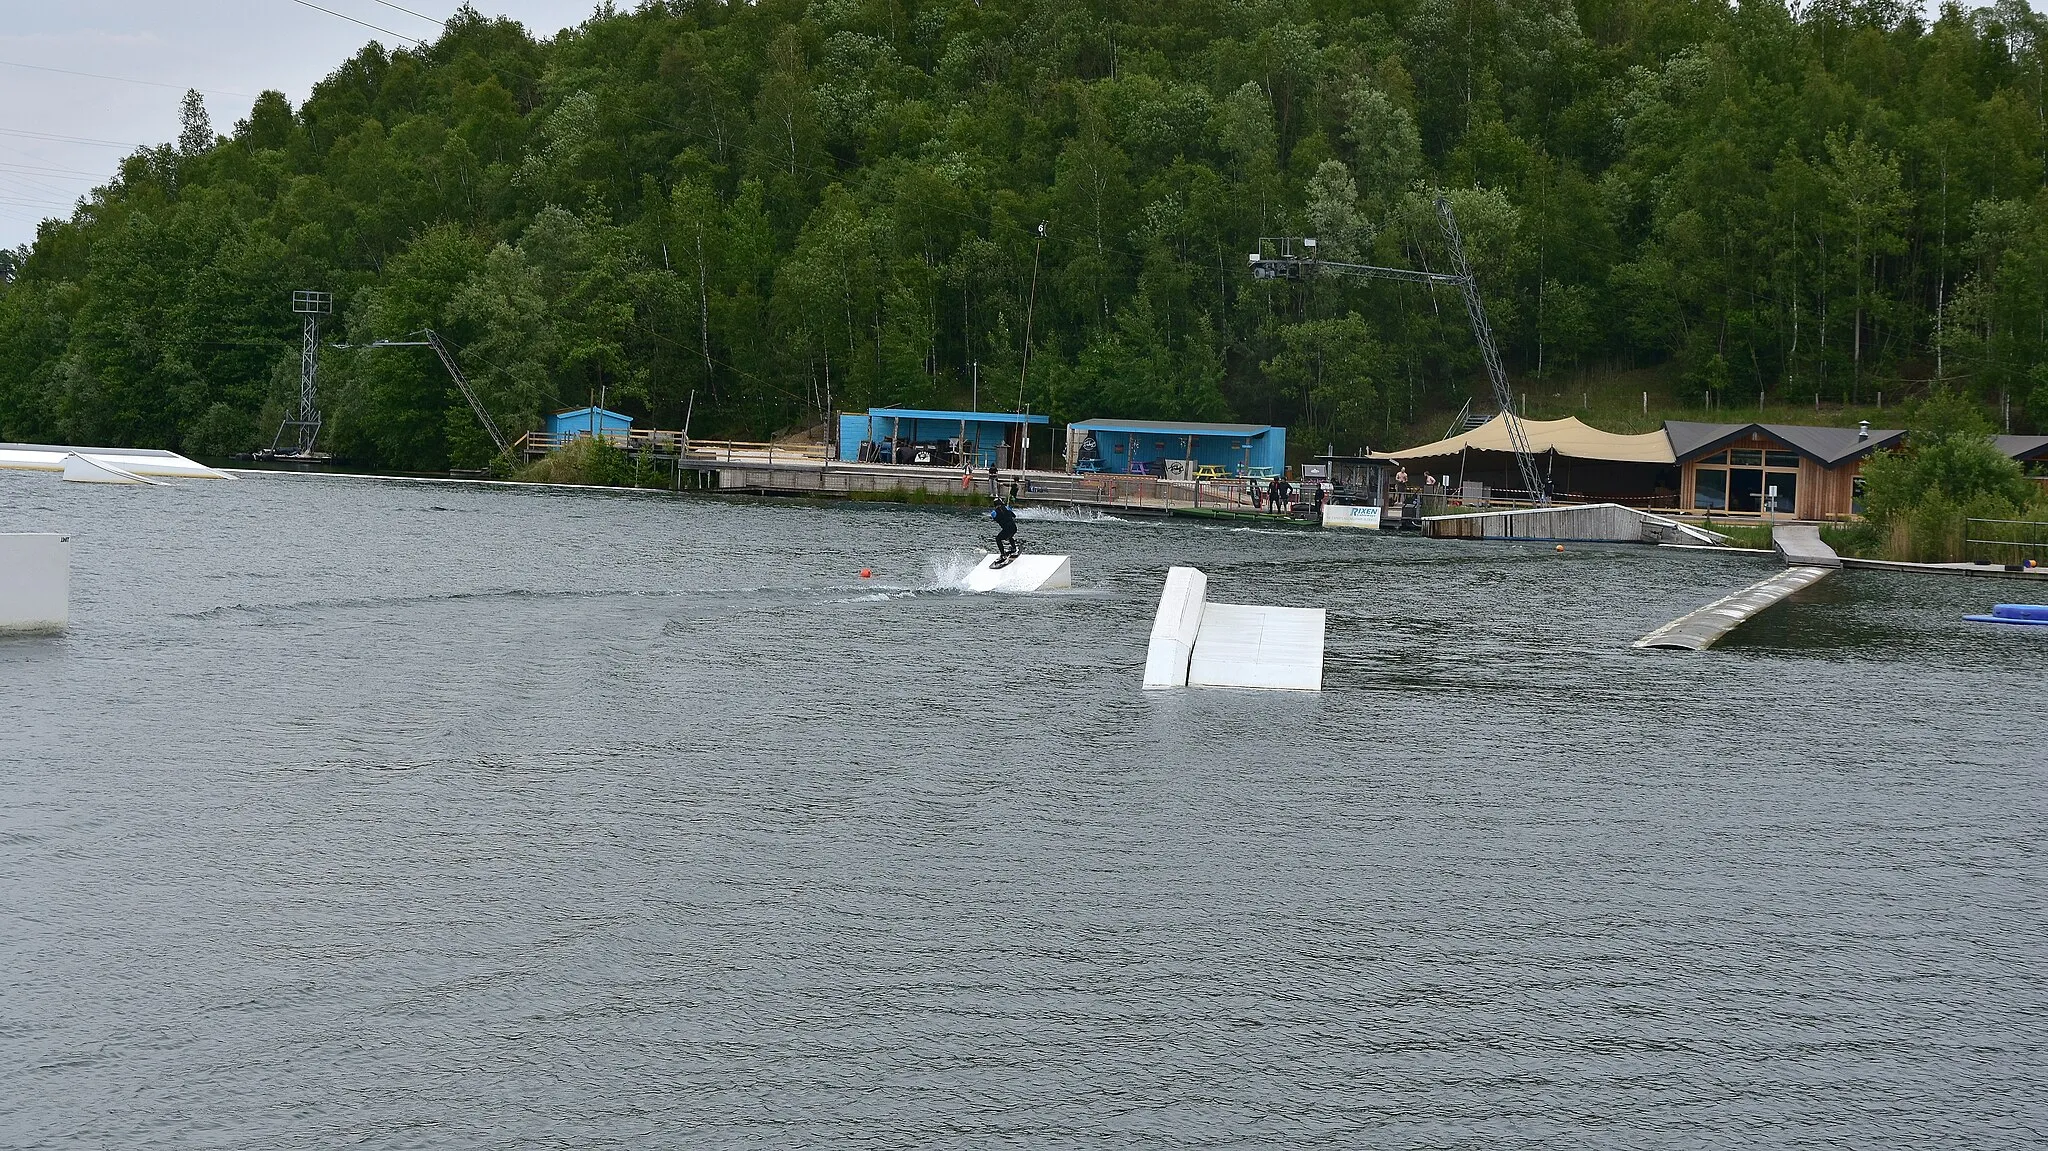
(306, 423)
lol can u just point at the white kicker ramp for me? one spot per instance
(1175, 627)
(86, 470)
(35, 583)
(1023, 574)
(1202, 644)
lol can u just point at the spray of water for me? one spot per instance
(1069, 515)
(948, 571)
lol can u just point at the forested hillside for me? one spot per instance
(789, 207)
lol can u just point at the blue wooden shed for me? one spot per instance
(929, 436)
(591, 422)
(1144, 446)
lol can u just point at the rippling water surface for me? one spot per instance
(422, 815)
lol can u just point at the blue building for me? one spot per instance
(591, 422)
(923, 436)
(1146, 447)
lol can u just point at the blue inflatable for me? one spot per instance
(2019, 613)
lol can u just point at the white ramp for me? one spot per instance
(1175, 626)
(35, 583)
(84, 470)
(1279, 648)
(134, 461)
(1023, 574)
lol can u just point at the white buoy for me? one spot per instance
(35, 583)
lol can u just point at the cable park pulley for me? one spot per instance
(428, 338)
(1293, 258)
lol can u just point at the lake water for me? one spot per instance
(388, 814)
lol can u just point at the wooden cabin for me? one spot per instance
(1805, 473)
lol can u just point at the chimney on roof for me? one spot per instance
(1863, 429)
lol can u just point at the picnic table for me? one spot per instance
(1256, 473)
(1209, 472)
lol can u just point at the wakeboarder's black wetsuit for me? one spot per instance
(1006, 537)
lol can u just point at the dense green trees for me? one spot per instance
(782, 208)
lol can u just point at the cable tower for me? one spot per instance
(305, 425)
(428, 338)
(1295, 258)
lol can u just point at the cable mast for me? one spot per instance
(305, 425)
(1296, 258)
(432, 339)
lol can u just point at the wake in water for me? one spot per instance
(1068, 515)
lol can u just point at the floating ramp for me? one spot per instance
(1577, 523)
(2022, 614)
(85, 470)
(136, 462)
(1197, 643)
(1700, 630)
(1800, 545)
(35, 583)
(1024, 574)
(1810, 561)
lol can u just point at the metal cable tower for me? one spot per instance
(312, 306)
(432, 339)
(1297, 259)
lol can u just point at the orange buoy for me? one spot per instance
(865, 573)
(1560, 547)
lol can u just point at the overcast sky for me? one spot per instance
(62, 134)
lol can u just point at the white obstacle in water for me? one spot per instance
(134, 461)
(1023, 574)
(1175, 626)
(1197, 643)
(85, 470)
(35, 583)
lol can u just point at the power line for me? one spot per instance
(410, 12)
(372, 27)
(51, 136)
(40, 170)
(123, 79)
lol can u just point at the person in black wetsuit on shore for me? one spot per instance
(1006, 533)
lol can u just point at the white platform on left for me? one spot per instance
(35, 583)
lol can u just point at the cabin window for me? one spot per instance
(1747, 457)
(1716, 458)
(1781, 459)
(1856, 495)
(1710, 489)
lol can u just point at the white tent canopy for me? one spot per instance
(1566, 437)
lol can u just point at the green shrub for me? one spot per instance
(590, 461)
(1917, 500)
